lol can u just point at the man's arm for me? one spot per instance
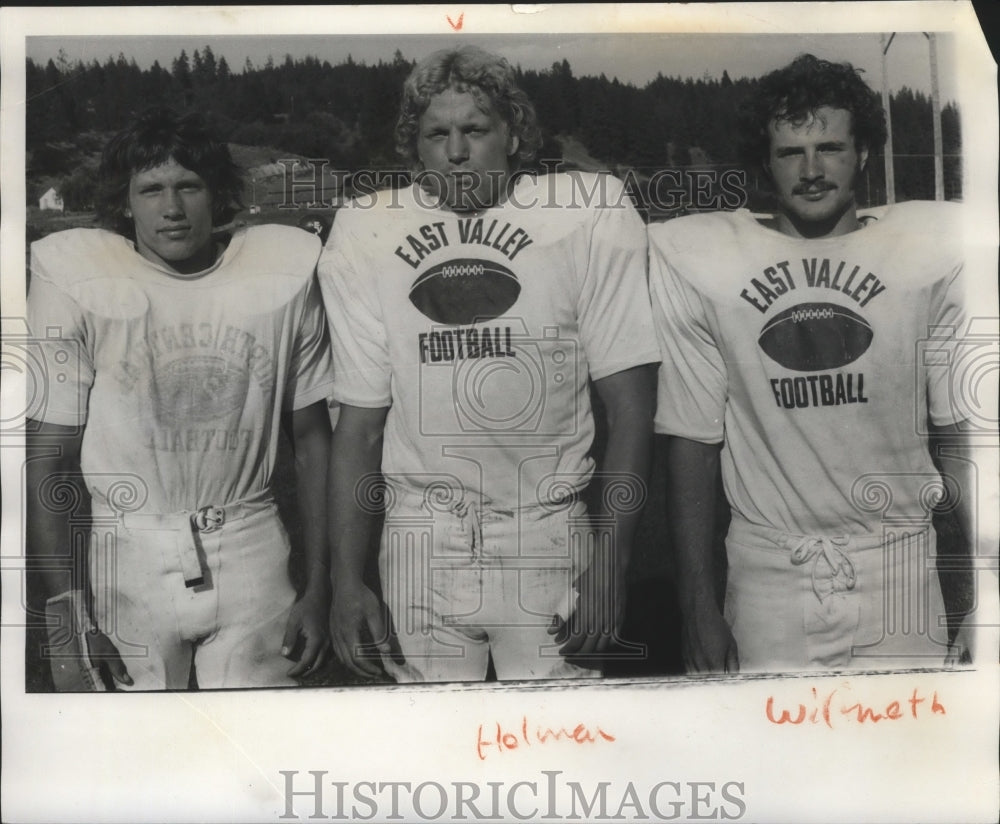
(948, 444)
(692, 468)
(309, 615)
(951, 449)
(53, 454)
(629, 398)
(357, 617)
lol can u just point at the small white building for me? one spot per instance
(51, 200)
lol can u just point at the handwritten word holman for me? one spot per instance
(839, 704)
(530, 736)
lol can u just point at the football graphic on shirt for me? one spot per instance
(465, 290)
(198, 389)
(815, 336)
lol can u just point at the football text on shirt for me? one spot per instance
(815, 336)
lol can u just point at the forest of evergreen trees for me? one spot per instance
(346, 113)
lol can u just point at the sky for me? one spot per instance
(632, 58)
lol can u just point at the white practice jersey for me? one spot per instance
(818, 362)
(480, 331)
(180, 383)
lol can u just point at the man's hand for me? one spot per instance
(357, 622)
(592, 625)
(954, 453)
(79, 653)
(307, 624)
(307, 640)
(357, 618)
(707, 642)
(103, 653)
(960, 650)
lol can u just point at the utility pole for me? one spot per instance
(936, 111)
(890, 176)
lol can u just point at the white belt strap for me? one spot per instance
(188, 524)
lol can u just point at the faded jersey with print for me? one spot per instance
(179, 382)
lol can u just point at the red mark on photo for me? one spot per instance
(505, 740)
(824, 710)
(456, 26)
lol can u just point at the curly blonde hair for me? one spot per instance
(487, 77)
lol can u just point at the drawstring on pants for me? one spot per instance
(463, 508)
(811, 547)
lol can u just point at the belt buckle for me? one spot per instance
(209, 518)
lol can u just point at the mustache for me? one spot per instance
(812, 188)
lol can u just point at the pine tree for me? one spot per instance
(209, 67)
(181, 70)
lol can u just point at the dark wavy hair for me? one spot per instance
(796, 91)
(153, 138)
(487, 77)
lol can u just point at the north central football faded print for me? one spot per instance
(206, 373)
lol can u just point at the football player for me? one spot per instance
(172, 353)
(789, 357)
(467, 313)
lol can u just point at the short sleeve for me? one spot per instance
(310, 375)
(60, 361)
(946, 377)
(692, 385)
(357, 332)
(616, 324)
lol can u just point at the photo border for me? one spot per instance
(226, 756)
